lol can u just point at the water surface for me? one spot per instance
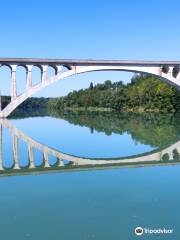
(90, 204)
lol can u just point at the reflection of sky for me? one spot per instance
(77, 140)
(7, 152)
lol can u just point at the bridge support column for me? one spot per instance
(46, 161)
(29, 76)
(44, 73)
(15, 152)
(170, 72)
(0, 101)
(171, 156)
(61, 163)
(31, 156)
(75, 164)
(1, 155)
(58, 69)
(178, 75)
(13, 83)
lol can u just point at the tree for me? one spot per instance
(91, 86)
(176, 156)
(107, 84)
(144, 93)
(165, 157)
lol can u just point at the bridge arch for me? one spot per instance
(6, 65)
(22, 66)
(165, 72)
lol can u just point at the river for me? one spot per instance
(89, 175)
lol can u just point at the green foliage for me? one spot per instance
(91, 86)
(176, 155)
(5, 100)
(30, 103)
(155, 129)
(144, 93)
(165, 157)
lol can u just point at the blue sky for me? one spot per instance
(88, 29)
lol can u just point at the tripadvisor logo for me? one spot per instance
(139, 231)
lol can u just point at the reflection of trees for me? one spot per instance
(153, 129)
(176, 156)
(165, 157)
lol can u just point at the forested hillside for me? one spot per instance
(144, 93)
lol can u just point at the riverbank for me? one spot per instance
(101, 109)
(143, 94)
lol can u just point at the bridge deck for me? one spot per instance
(87, 62)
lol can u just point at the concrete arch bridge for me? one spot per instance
(167, 71)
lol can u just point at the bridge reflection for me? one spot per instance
(66, 162)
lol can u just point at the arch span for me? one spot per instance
(168, 72)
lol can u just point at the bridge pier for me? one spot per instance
(61, 163)
(46, 160)
(44, 73)
(58, 69)
(15, 152)
(29, 76)
(1, 154)
(13, 83)
(31, 156)
(0, 101)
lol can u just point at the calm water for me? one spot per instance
(62, 176)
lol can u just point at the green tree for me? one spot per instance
(91, 86)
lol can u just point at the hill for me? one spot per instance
(143, 94)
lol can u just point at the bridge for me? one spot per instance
(167, 71)
(154, 157)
